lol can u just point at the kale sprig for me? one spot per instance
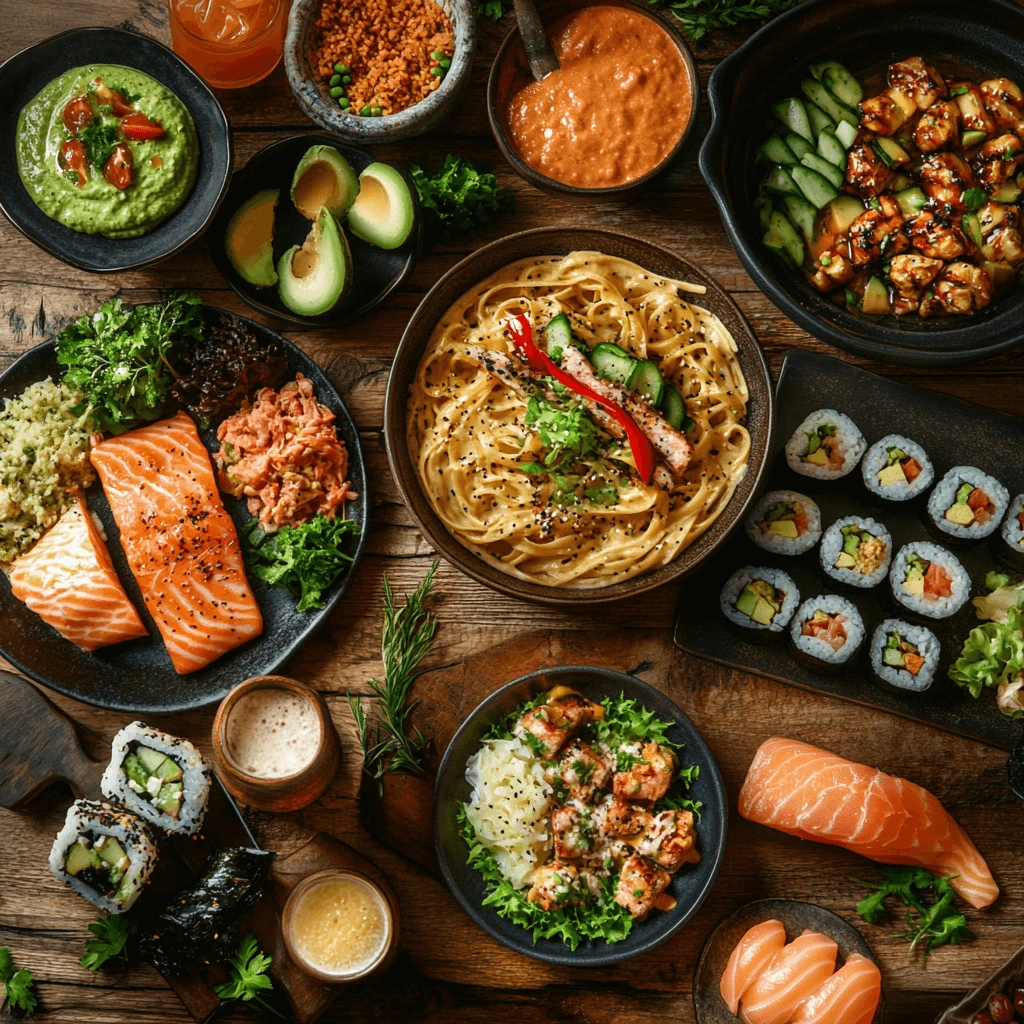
(19, 986)
(699, 17)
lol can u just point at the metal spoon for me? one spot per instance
(539, 54)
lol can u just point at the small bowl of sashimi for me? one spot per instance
(579, 817)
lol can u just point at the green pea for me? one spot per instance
(375, 111)
(340, 69)
(337, 92)
(346, 79)
(437, 72)
(343, 102)
(446, 63)
(437, 55)
(365, 112)
(335, 80)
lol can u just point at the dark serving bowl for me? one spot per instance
(510, 66)
(137, 676)
(987, 35)
(689, 886)
(27, 72)
(559, 242)
(376, 273)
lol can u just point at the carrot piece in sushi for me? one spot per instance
(753, 953)
(180, 541)
(797, 971)
(814, 794)
(68, 580)
(850, 996)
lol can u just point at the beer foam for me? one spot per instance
(272, 733)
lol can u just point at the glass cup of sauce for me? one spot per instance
(339, 926)
(275, 743)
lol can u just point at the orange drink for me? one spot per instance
(231, 43)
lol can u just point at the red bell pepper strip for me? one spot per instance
(641, 447)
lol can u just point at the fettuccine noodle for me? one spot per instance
(468, 433)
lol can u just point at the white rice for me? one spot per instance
(877, 457)
(1013, 531)
(832, 545)
(942, 607)
(851, 445)
(778, 579)
(944, 496)
(775, 543)
(927, 644)
(815, 647)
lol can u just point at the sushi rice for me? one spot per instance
(1013, 527)
(883, 457)
(117, 785)
(842, 542)
(928, 647)
(826, 446)
(933, 608)
(776, 578)
(770, 534)
(90, 823)
(948, 507)
(815, 647)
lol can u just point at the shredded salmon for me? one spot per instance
(937, 582)
(282, 452)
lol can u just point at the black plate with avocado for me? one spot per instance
(952, 432)
(373, 272)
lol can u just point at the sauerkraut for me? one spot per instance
(510, 806)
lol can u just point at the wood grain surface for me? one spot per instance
(448, 970)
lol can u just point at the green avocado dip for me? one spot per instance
(106, 150)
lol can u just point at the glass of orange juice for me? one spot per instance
(231, 43)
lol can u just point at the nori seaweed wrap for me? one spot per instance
(200, 925)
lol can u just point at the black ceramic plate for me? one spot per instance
(138, 676)
(953, 433)
(709, 1006)
(689, 886)
(376, 272)
(987, 35)
(26, 73)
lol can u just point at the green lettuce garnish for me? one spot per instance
(993, 654)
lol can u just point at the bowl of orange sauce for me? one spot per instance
(617, 112)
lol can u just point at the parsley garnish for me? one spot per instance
(100, 140)
(248, 969)
(699, 17)
(974, 198)
(458, 198)
(19, 997)
(112, 934)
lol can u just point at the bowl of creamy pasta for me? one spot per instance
(577, 416)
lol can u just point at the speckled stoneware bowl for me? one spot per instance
(313, 96)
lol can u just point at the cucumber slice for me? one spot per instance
(802, 214)
(646, 379)
(820, 121)
(820, 96)
(973, 138)
(799, 145)
(782, 182)
(764, 208)
(876, 298)
(673, 408)
(972, 228)
(1007, 192)
(151, 759)
(783, 238)
(775, 151)
(891, 152)
(558, 332)
(824, 168)
(816, 188)
(911, 201)
(793, 114)
(832, 149)
(612, 362)
(838, 80)
(900, 182)
(846, 133)
(842, 212)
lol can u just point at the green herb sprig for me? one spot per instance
(112, 935)
(100, 140)
(19, 986)
(386, 741)
(491, 9)
(699, 17)
(248, 967)
(458, 198)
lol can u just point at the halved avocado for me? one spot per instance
(315, 276)
(383, 212)
(249, 238)
(324, 178)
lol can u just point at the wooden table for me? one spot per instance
(449, 970)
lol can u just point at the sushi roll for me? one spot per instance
(826, 631)
(967, 503)
(928, 580)
(897, 468)
(1013, 531)
(158, 777)
(905, 656)
(856, 551)
(759, 600)
(826, 446)
(785, 523)
(104, 853)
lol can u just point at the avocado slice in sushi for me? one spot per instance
(759, 601)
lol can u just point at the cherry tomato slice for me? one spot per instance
(119, 169)
(105, 95)
(140, 128)
(74, 161)
(77, 114)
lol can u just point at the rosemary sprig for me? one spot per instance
(386, 741)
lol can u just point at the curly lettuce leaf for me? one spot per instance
(992, 654)
(995, 607)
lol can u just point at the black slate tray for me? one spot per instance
(953, 432)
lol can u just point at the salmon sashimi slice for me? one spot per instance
(753, 953)
(850, 996)
(68, 580)
(796, 971)
(180, 541)
(817, 795)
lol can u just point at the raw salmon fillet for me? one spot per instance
(850, 996)
(68, 580)
(179, 540)
(753, 953)
(817, 795)
(796, 971)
